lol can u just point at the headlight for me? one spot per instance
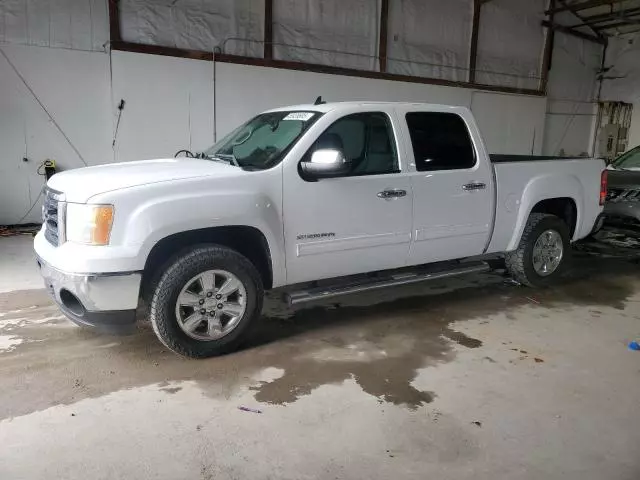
(89, 224)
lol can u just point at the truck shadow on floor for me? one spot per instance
(590, 281)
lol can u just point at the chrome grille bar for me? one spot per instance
(53, 216)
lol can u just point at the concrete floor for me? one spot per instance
(472, 378)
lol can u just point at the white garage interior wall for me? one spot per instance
(509, 123)
(72, 24)
(572, 92)
(195, 24)
(429, 38)
(510, 43)
(59, 95)
(243, 91)
(168, 105)
(73, 87)
(147, 130)
(312, 31)
(622, 81)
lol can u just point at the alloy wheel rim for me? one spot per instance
(210, 305)
(547, 253)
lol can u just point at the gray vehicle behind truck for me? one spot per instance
(623, 197)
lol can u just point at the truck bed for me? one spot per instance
(523, 181)
(507, 158)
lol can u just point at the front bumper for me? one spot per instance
(106, 301)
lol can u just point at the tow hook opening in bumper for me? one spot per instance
(106, 302)
(72, 303)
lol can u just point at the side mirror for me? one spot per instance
(326, 163)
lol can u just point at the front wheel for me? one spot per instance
(543, 252)
(205, 301)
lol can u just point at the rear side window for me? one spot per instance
(440, 141)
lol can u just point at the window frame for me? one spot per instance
(393, 138)
(467, 128)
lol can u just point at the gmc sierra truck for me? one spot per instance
(313, 200)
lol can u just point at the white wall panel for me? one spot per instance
(168, 105)
(430, 38)
(572, 89)
(195, 24)
(74, 88)
(14, 178)
(243, 91)
(75, 24)
(510, 41)
(510, 123)
(334, 25)
(623, 79)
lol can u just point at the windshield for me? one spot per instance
(263, 141)
(629, 160)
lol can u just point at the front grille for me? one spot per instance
(623, 195)
(53, 216)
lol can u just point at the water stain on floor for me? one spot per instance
(380, 340)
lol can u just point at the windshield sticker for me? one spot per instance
(302, 116)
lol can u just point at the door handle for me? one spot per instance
(469, 187)
(390, 194)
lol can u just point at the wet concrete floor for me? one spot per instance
(451, 376)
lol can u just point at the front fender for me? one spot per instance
(146, 215)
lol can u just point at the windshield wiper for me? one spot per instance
(229, 159)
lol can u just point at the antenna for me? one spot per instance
(319, 101)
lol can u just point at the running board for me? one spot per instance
(393, 280)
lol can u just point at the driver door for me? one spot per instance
(356, 223)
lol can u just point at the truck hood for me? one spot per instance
(81, 184)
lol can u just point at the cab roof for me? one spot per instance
(327, 107)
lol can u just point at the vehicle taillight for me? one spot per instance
(603, 186)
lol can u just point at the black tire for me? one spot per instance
(520, 262)
(177, 273)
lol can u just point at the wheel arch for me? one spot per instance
(562, 207)
(560, 196)
(248, 241)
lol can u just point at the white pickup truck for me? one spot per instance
(382, 193)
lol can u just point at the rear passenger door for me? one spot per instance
(453, 201)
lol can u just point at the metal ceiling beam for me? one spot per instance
(383, 41)
(582, 5)
(547, 52)
(114, 21)
(627, 23)
(577, 14)
(268, 29)
(607, 17)
(575, 33)
(475, 31)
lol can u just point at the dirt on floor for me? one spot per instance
(379, 339)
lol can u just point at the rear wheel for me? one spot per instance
(543, 252)
(205, 301)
